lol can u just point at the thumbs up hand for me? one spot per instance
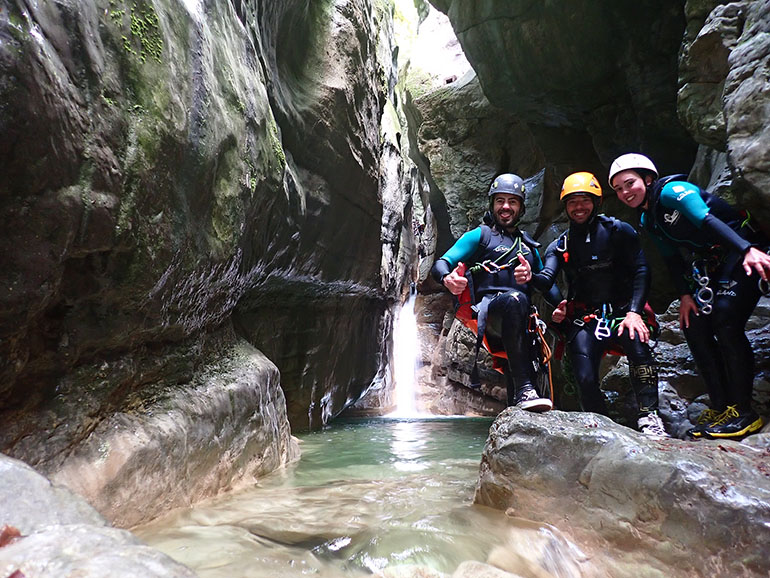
(523, 271)
(456, 281)
(560, 313)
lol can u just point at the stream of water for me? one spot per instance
(366, 495)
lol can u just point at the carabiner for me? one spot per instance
(490, 267)
(602, 330)
(704, 298)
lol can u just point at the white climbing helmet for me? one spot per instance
(631, 161)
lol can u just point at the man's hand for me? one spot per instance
(756, 260)
(456, 281)
(635, 326)
(523, 271)
(560, 313)
(687, 305)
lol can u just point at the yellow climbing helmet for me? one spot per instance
(582, 182)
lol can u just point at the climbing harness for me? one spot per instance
(604, 322)
(704, 295)
(497, 265)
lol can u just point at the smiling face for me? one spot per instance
(579, 207)
(630, 188)
(506, 209)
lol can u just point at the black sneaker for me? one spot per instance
(528, 399)
(707, 418)
(736, 425)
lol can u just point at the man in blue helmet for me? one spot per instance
(489, 260)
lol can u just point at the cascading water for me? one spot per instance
(405, 351)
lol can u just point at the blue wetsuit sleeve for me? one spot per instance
(686, 198)
(464, 248)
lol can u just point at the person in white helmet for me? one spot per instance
(720, 270)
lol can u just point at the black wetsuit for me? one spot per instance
(607, 276)
(503, 305)
(702, 237)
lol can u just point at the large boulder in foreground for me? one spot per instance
(648, 506)
(61, 535)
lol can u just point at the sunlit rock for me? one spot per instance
(177, 445)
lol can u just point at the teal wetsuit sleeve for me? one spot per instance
(464, 248)
(685, 198)
(538, 266)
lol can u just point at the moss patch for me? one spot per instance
(141, 31)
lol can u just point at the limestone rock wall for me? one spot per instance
(183, 181)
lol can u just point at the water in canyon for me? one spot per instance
(367, 495)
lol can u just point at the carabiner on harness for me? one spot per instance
(764, 287)
(603, 330)
(704, 296)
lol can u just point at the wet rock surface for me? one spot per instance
(179, 178)
(61, 535)
(693, 507)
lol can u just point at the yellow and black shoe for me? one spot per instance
(737, 425)
(707, 417)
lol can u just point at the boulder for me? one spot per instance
(641, 506)
(59, 534)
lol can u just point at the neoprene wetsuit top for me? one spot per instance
(498, 250)
(680, 215)
(603, 263)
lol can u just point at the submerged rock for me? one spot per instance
(668, 505)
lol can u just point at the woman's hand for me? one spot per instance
(756, 260)
(687, 305)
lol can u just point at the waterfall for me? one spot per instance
(406, 349)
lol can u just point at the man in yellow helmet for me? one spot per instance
(608, 280)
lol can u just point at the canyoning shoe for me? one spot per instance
(528, 399)
(737, 425)
(652, 426)
(706, 418)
